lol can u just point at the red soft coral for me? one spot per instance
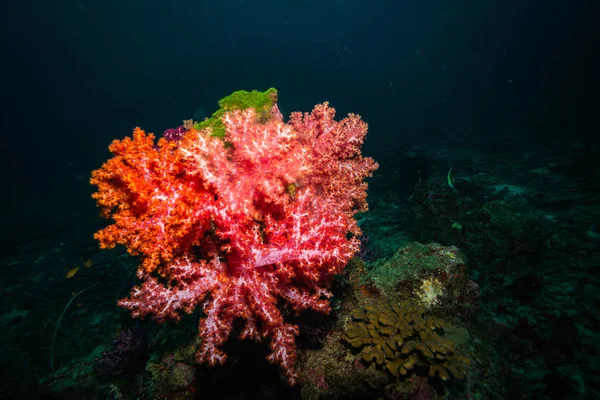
(237, 226)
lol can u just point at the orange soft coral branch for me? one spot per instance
(138, 188)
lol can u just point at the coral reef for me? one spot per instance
(403, 339)
(432, 274)
(172, 378)
(512, 224)
(129, 350)
(245, 211)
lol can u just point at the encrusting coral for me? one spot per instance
(403, 339)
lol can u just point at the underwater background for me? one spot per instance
(472, 275)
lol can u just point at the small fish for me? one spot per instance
(72, 272)
(451, 179)
(89, 263)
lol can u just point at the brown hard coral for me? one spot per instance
(403, 339)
